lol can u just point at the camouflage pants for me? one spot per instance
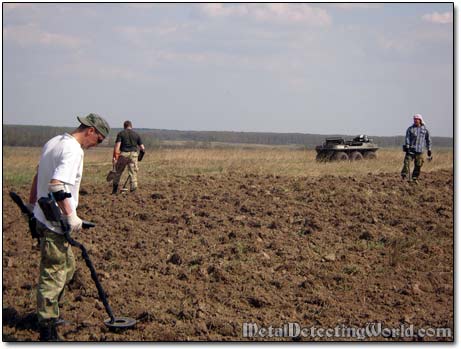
(57, 267)
(419, 161)
(129, 159)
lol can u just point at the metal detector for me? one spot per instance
(124, 188)
(112, 322)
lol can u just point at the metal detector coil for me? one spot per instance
(120, 322)
(113, 322)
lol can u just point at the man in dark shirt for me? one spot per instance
(126, 154)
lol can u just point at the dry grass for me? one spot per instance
(19, 163)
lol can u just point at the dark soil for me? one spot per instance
(193, 258)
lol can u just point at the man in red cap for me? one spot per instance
(417, 135)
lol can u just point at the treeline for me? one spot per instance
(31, 136)
(305, 139)
(37, 136)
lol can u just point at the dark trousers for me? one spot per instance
(419, 161)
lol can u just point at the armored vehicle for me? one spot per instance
(361, 147)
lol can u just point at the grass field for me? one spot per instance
(19, 163)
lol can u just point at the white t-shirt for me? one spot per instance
(61, 159)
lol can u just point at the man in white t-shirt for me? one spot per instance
(60, 172)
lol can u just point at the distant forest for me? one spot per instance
(33, 136)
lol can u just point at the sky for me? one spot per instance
(310, 68)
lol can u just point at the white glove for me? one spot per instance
(72, 220)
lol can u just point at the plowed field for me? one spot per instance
(193, 257)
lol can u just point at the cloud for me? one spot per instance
(160, 30)
(89, 68)
(148, 36)
(141, 6)
(155, 58)
(275, 12)
(420, 44)
(115, 72)
(16, 6)
(31, 34)
(353, 6)
(401, 44)
(439, 18)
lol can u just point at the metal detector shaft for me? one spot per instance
(94, 276)
(127, 179)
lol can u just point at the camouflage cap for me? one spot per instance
(96, 121)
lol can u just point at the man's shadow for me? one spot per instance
(12, 318)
